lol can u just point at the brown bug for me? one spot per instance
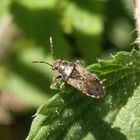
(74, 74)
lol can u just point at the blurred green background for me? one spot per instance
(81, 29)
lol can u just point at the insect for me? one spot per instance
(74, 74)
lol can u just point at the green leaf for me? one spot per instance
(71, 115)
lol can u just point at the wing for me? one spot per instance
(94, 86)
(91, 85)
(78, 84)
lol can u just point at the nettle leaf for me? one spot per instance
(71, 115)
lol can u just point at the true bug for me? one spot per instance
(74, 74)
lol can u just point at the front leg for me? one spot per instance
(62, 86)
(57, 78)
(55, 81)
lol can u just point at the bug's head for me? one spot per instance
(56, 64)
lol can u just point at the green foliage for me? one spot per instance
(37, 20)
(72, 115)
(85, 30)
(68, 23)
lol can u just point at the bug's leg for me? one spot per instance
(55, 79)
(56, 82)
(77, 62)
(62, 86)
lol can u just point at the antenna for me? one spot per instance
(51, 47)
(42, 62)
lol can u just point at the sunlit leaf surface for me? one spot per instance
(72, 115)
